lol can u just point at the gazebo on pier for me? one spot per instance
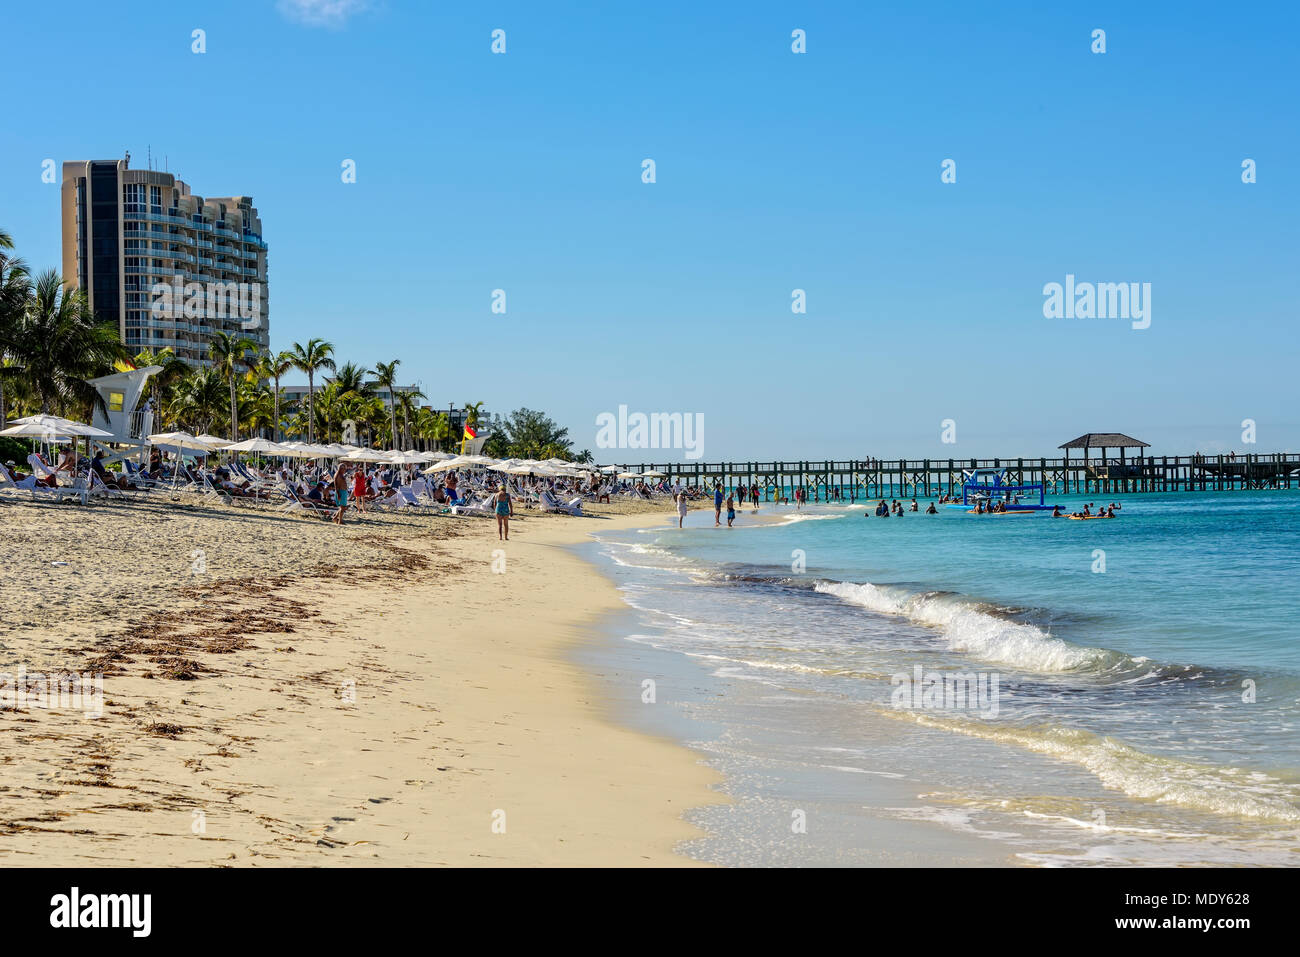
(1105, 471)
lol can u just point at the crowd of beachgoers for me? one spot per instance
(331, 482)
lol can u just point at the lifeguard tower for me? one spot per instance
(123, 415)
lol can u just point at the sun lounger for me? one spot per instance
(40, 492)
(550, 504)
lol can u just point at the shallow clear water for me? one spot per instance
(1116, 690)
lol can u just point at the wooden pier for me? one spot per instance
(905, 478)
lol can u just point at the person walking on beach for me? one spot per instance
(717, 506)
(681, 509)
(753, 492)
(359, 488)
(340, 485)
(505, 508)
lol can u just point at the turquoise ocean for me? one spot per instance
(955, 688)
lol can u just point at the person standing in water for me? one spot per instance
(505, 508)
(681, 509)
(731, 510)
(717, 505)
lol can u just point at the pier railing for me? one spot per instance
(874, 478)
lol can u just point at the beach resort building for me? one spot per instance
(167, 266)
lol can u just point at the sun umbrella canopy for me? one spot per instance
(28, 430)
(364, 455)
(256, 445)
(446, 465)
(405, 458)
(213, 441)
(179, 440)
(51, 425)
(653, 473)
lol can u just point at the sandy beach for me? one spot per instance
(280, 691)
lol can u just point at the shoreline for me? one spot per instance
(377, 712)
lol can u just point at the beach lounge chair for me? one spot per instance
(482, 506)
(549, 503)
(98, 487)
(40, 492)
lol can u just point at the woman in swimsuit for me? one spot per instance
(681, 509)
(505, 509)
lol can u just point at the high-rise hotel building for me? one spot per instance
(125, 230)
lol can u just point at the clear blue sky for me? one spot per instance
(775, 171)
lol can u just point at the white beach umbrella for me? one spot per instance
(179, 440)
(34, 425)
(301, 450)
(629, 475)
(32, 430)
(214, 441)
(609, 469)
(653, 473)
(440, 456)
(405, 458)
(298, 450)
(258, 444)
(445, 465)
(364, 455)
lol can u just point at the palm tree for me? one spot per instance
(471, 413)
(259, 407)
(386, 378)
(60, 345)
(350, 377)
(316, 354)
(273, 367)
(408, 401)
(438, 428)
(229, 353)
(198, 399)
(173, 368)
(15, 289)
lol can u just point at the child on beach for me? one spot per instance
(731, 510)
